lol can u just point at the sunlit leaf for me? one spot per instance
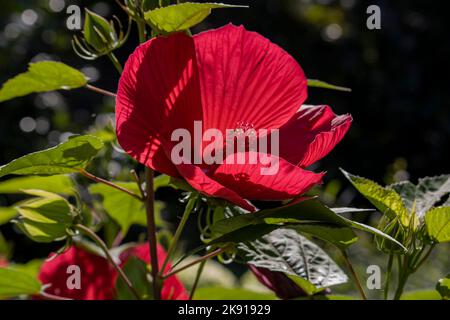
(437, 221)
(123, 208)
(386, 200)
(181, 16)
(61, 184)
(15, 283)
(220, 293)
(421, 295)
(67, 157)
(42, 77)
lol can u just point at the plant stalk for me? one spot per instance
(193, 263)
(187, 211)
(388, 276)
(101, 91)
(109, 183)
(103, 246)
(354, 274)
(197, 279)
(115, 62)
(151, 233)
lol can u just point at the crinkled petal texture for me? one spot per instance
(229, 79)
(98, 277)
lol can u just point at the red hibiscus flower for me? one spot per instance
(229, 79)
(98, 277)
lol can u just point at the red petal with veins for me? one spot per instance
(250, 182)
(311, 134)
(246, 79)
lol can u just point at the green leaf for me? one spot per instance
(309, 210)
(67, 157)
(15, 283)
(41, 232)
(430, 191)
(421, 198)
(443, 287)
(7, 214)
(123, 208)
(437, 221)
(136, 271)
(386, 200)
(341, 237)
(46, 217)
(286, 251)
(321, 84)
(46, 208)
(220, 293)
(32, 267)
(421, 295)
(42, 77)
(61, 184)
(181, 16)
(407, 192)
(97, 31)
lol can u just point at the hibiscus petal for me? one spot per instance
(285, 181)
(158, 92)
(173, 288)
(200, 181)
(97, 275)
(311, 134)
(246, 80)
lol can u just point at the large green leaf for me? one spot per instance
(308, 216)
(123, 208)
(324, 85)
(61, 184)
(181, 16)
(430, 191)
(286, 251)
(386, 200)
(421, 198)
(15, 283)
(220, 293)
(341, 237)
(309, 210)
(437, 221)
(67, 157)
(42, 77)
(136, 271)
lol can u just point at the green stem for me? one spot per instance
(424, 258)
(197, 279)
(402, 277)
(187, 211)
(388, 276)
(193, 263)
(142, 31)
(103, 246)
(109, 183)
(115, 62)
(355, 275)
(151, 233)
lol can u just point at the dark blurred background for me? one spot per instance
(399, 76)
